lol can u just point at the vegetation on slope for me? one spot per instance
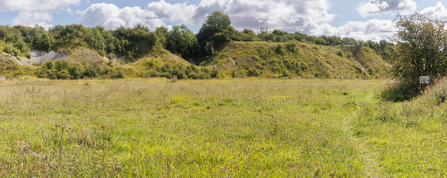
(83, 64)
(286, 54)
(296, 59)
(10, 68)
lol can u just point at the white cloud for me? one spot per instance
(172, 12)
(40, 5)
(111, 17)
(33, 12)
(70, 11)
(373, 29)
(305, 16)
(438, 11)
(289, 15)
(373, 7)
(30, 18)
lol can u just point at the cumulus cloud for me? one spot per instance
(36, 12)
(373, 29)
(373, 7)
(31, 5)
(70, 11)
(310, 17)
(31, 18)
(172, 12)
(439, 11)
(290, 15)
(111, 17)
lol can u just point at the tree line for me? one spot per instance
(134, 43)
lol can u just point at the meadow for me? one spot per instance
(217, 128)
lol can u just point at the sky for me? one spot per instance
(359, 19)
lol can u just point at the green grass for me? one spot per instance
(214, 128)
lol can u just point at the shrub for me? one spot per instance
(214, 73)
(341, 54)
(193, 75)
(292, 46)
(166, 75)
(253, 72)
(278, 49)
(401, 90)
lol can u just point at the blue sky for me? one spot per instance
(360, 19)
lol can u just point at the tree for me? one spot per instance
(421, 51)
(217, 22)
(421, 47)
(162, 33)
(181, 40)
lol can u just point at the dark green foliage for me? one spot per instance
(216, 23)
(136, 42)
(421, 51)
(292, 46)
(15, 42)
(156, 68)
(400, 91)
(61, 69)
(340, 53)
(253, 72)
(421, 47)
(278, 49)
(180, 40)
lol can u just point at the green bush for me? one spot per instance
(401, 90)
(341, 54)
(193, 75)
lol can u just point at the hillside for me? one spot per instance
(8, 64)
(233, 59)
(83, 55)
(162, 63)
(295, 59)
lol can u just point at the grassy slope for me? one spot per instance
(408, 138)
(308, 61)
(321, 61)
(158, 55)
(6, 60)
(83, 55)
(9, 67)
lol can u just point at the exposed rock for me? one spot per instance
(42, 56)
(360, 65)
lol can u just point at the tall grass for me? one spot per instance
(159, 128)
(408, 138)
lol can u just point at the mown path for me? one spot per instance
(369, 156)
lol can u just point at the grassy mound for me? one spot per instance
(83, 55)
(162, 63)
(295, 59)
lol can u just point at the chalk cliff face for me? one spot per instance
(42, 57)
(78, 55)
(36, 57)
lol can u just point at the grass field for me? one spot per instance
(216, 128)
